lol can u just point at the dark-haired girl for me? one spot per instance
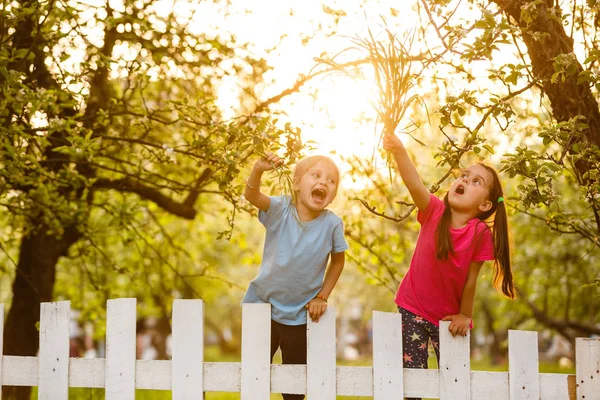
(458, 233)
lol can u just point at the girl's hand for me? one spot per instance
(316, 307)
(459, 324)
(391, 142)
(268, 162)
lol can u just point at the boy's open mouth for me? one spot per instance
(319, 194)
(460, 189)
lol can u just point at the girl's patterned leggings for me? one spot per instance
(416, 334)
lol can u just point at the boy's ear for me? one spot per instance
(485, 206)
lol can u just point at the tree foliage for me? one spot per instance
(109, 120)
(515, 82)
(111, 132)
(533, 50)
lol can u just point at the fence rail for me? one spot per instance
(187, 375)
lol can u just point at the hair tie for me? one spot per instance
(500, 199)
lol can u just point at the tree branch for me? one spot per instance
(193, 196)
(183, 210)
(559, 325)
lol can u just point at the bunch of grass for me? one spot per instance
(394, 73)
(394, 77)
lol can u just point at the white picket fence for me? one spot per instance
(188, 376)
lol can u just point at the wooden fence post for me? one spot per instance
(188, 376)
(256, 351)
(388, 379)
(188, 350)
(587, 354)
(523, 365)
(455, 365)
(1, 344)
(120, 349)
(321, 361)
(53, 359)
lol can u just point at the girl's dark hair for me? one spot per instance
(503, 279)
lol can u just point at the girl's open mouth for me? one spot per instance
(319, 194)
(460, 189)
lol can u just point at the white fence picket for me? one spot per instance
(556, 387)
(188, 349)
(120, 349)
(121, 374)
(587, 368)
(256, 351)
(489, 385)
(387, 355)
(321, 361)
(455, 365)
(53, 383)
(1, 338)
(154, 374)
(421, 383)
(288, 378)
(223, 377)
(87, 373)
(523, 365)
(354, 381)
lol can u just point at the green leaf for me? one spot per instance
(554, 167)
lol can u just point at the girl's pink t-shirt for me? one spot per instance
(432, 288)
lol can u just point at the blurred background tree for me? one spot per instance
(110, 129)
(514, 83)
(121, 167)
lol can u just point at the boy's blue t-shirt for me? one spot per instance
(294, 260)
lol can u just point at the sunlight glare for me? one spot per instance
(335, 112)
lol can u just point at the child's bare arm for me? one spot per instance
(317, 306)
(336, 265)
(408, 172)
(461, 322)
(252, 192)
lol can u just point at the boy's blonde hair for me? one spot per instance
(307, 163)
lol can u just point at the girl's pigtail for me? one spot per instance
(503, 279)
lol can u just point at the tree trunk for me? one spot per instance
(163, 330)
(546, 39)
(34, 282)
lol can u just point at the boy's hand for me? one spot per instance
(268, 162)
(316, 307)
(391, 142)
(459, 324)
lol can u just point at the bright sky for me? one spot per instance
(334, 118)
(340, 118)
(333, 111)
(331, 118)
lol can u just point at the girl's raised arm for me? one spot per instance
(252, 192)
(408, 172)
